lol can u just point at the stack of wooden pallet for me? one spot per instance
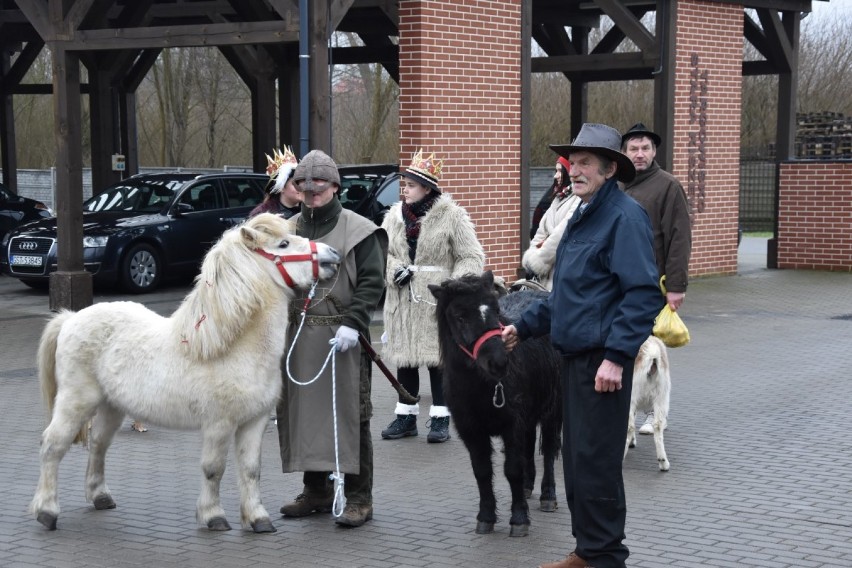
(824, 135)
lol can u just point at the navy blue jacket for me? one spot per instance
(605, 286)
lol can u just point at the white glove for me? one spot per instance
(346, 337)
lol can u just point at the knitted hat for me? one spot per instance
(425, 170)
(602, 140)
(316, 165)
(280, 168)
(639, 130)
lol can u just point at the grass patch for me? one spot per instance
(761, 234)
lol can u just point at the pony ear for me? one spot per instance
(488, 279)
(437, 291)
(250, 236)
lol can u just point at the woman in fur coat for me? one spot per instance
(430, 239)
(540, 257)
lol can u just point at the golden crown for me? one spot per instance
(279, 166)
(428, 166)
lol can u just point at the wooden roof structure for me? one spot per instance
(118, 41)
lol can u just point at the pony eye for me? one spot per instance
(284, 244)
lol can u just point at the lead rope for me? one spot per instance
(339, 497)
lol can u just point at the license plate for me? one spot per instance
(26, 260)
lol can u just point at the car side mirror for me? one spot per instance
(182, 208)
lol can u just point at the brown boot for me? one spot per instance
(572, 561)
(355, 515)
(308, 503)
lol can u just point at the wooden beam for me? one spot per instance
(755, 36)
(752, 68)
(781, 5)
(287, 9)
(610, 41)
(35, 12)
(592, 63)
(160, 37)
(627, 21)
(22, 64)
(337, 11)
(77, 12)
(364, 54)
(782, 52)
(139, 69)
(8, 154)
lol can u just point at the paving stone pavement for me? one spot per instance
(761, 460)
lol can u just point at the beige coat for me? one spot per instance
(447, 241)
(541, 256)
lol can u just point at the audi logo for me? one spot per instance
(28, 245)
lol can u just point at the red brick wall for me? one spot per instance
(815, 216)
(460, 97)
(706, 145)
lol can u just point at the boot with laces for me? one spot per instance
(355, 515)
(308, 503)
(403, 425)
(439, 429)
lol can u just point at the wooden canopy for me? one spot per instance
(119, 40)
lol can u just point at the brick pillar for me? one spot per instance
(460, 87)
(706, 144)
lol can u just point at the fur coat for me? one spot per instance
(541, 256)
(447, 240)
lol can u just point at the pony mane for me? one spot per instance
(208, 325)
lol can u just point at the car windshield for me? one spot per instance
(140, 195)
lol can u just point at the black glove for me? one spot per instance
(401, 276)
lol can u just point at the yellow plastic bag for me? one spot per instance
(668, 326)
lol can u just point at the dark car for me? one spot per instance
(369, 190)
(16, 210)
(142, 230)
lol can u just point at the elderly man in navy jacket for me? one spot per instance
(602, 308)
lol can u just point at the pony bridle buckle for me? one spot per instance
(312, 257)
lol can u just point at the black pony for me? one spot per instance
(491, 392)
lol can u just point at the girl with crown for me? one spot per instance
(430, 239)
(282, 197)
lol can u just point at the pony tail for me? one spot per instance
(46, 361)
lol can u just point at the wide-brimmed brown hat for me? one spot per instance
(603, 140)
(638, 130)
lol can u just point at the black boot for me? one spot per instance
(403, 425)
(439, 429)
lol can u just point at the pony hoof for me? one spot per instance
(664, 465)
(48, 520)
(548, 505)
(263, 526)
(103, 502)
(218, 524)
(483, 527)
(519, 530)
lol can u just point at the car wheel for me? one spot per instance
(141, 269)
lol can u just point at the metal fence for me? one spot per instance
(757, 189)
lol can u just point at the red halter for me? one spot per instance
(482, 339)
(280, 260)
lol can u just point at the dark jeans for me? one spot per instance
(594, 432)
(409, 377)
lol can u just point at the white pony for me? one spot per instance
(652, 386)
(213, 365)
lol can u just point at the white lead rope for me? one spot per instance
(339, 497)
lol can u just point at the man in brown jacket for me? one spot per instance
(663, 198)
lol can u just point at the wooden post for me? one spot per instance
(70, 285)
